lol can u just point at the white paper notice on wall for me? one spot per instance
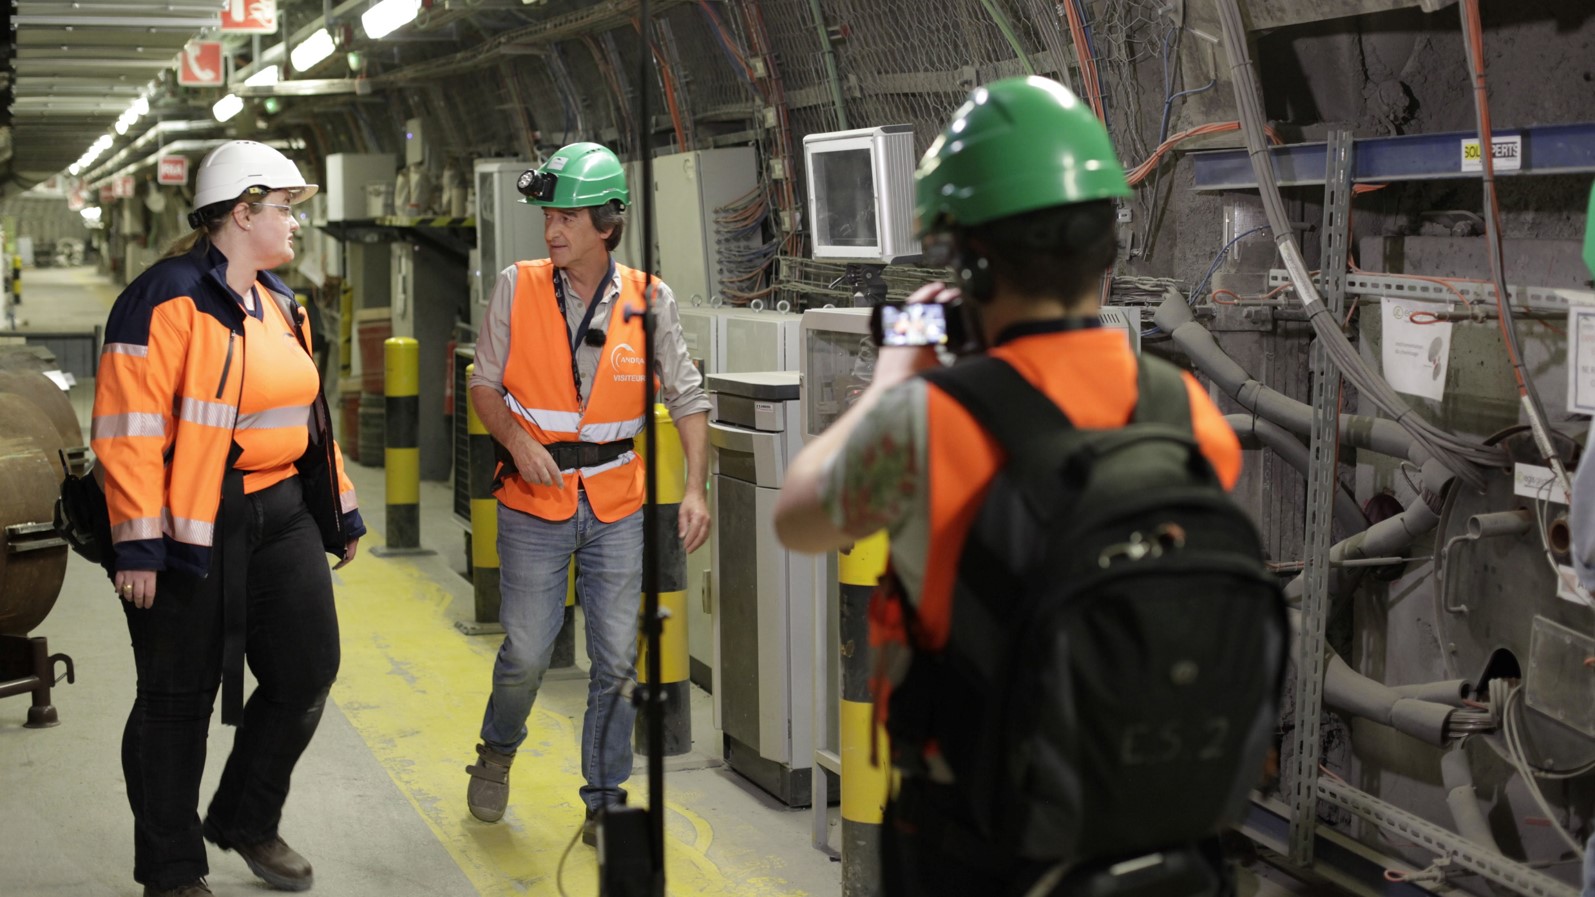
(1537, 483)
(1581, 360)
(1569, 589)
(1415, 355)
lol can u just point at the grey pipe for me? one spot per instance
(1451, 692)
(828, 51)
(1376, 434)
(1351, 692)
(1391, 536)
(1500, 523)
(1464, 801)
(1259, 431)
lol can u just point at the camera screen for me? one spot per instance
(919, 324)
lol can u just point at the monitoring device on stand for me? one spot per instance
(861, 194)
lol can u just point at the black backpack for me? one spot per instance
(1111, 677)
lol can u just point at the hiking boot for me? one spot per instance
(273, 861)
(192, 889)
(489, 791)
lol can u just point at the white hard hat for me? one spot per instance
(237, 165)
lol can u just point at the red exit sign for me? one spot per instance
(172, 170)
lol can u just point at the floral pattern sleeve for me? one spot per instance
(879, 479)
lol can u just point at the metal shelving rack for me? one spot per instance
(1350, 864)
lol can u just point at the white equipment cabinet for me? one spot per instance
(727, 341)
(764, 620)
(348, 174)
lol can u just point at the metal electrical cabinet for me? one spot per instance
(688, 187)
(838, 362)
(727, 340)
(507, 230)
(429, 296)
(764, 620)
(348, 175)
(629, 252)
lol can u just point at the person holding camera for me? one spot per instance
(1017, 197)
(559, 383)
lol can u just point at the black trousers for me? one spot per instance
(291, 646)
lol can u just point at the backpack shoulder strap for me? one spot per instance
(1034, 432)
(1001, 400)
(1161, 395)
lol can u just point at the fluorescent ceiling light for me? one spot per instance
(140, 107)
(121, 126)
(227, 107)
(268, 75)
(315, 48)
(388, 16)
(91, 213)
(73, 169)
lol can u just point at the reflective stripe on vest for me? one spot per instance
(109, 426)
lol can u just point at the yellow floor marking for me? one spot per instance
(414, 688)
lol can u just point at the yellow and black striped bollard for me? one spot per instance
(674, 662)
(484, 522)
(16, 280)
(401, 457)
(864, 786)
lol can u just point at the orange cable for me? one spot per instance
(1088, 65)
(1474, 32)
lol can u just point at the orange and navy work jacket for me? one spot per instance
(541, 395)
(168, 394)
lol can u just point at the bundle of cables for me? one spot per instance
(1461, 455)
(744, 262)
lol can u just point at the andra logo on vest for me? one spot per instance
(624, 356)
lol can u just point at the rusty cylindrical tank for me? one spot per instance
(33, 559)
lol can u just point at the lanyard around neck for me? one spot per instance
(580, 335)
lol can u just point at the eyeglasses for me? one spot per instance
(287, 210)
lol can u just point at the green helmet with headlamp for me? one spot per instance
(578, 176)
(1016, 145)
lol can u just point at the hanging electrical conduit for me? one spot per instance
(1416, 713)
(1460, 455)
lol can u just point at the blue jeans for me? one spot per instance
(534, 564)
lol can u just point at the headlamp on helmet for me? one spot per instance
(537, 186)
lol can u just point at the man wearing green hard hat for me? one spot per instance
(559, 378)
(1016, 196)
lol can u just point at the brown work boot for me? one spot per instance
(192, 889)
(489, 791)
(272, 860)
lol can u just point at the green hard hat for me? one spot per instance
(579, 175)
(1589, 234)
(1016, 145)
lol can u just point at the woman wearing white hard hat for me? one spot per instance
(224, 486)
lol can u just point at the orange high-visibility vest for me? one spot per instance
(542, 396)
